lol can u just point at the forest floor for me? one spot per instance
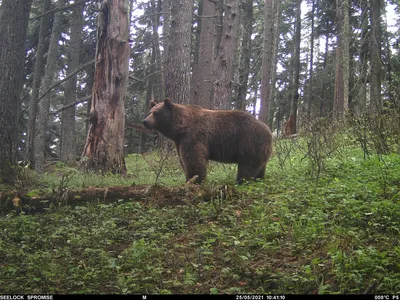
(312, 226)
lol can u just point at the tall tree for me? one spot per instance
(275, 37)
(158, 79)
(166, 28)
(311, 71)
(341, 98)
(14, 17)
(360, 102)
(104, 149)
(322, 98)
(201, 83)
(224, 62)
(296, 70)
(44, 103)
(67, 151)
(267, 60)
(177, 79)
(375, 55)
(37, 76)
(244, 69)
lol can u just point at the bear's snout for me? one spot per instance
(146, 123)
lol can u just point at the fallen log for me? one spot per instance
(152, 194)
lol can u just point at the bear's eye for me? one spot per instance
(156, 113)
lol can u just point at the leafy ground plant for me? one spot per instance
(280, 235)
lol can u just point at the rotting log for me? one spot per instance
(151, 194)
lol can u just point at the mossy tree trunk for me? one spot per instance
(14, 17)
(375, 56)
(68, 151)
(37, 76)
(244, 69)
(44, 102)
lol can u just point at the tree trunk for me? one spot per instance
(277, 21)
(267, 61)
(310, 91)
(37, 76)
(202, 71)
(341, 98)
(246, 54)
(44, 103)
(150, 86)
(219, 19)
(104, 149)
(177, 81)
(68, 152)
(14, 19)
(166, 28)
(360, 103)
(158, 78)
(224, 62)
(296, 70)
(196, 33)
(90, 71)
(322, 101)
(375, 52)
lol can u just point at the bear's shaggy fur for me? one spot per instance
(228, 136)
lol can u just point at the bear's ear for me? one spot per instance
(168, 103)
(153, 103)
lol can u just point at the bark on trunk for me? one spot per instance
(375, 56)
(296, 71)
(360, 103)
(67, 151)
(37, 76)
(166, 28)
(224, 62)
(177, 81)
(104, 149)
(310, 91)
(322, 100)
(44, 103)
(159, 91)
(277, 20)
(341, 98)
(246, 54)
(13, 30)
(267, 61)
(202, 71)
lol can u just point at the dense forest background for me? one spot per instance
(87, 206)
(287, 62)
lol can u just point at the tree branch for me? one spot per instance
(58, 9)
(73, 103)
(147, 76)
(201, 16)
(66, 78)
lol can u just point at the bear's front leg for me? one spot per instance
(194, 161)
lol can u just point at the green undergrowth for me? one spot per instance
(293, 232)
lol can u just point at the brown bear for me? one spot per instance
(229, 136)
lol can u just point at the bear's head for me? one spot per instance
(160, 116)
